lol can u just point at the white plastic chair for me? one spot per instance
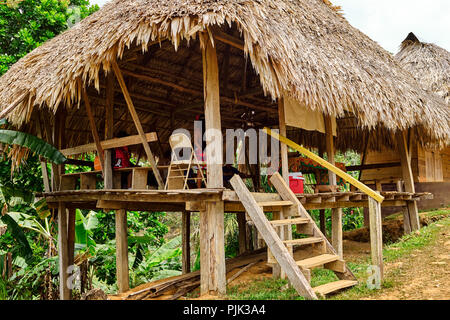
(180, 167)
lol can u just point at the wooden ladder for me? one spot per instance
(280, 245)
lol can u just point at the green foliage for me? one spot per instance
(36, 145)
(27, 25)
(27, 178)
(352, 218)
(22, 247)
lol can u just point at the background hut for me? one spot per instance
(429, 64)
(152, 66)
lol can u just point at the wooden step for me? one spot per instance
(334, 286)
(275, 204)
(317, 261)
(302, 242)
(285, 222)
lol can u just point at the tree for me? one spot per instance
(26, 24)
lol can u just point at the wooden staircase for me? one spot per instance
(278, 236)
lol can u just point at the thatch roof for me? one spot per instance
(428, 63)
(302, 47)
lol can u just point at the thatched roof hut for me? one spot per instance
(300, 48)
(428, 63)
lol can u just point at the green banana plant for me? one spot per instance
(36, 145)
(84, 225)
(154, 260)
(17, 222)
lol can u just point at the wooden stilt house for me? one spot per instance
(150, 67)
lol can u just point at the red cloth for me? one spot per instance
(122, 158)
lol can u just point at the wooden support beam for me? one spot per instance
(55, 141)
(214, 279)
(109, 144)
(138, 124)
(376, 237)
(336, 232)
(63, 251)
(373, 166)
(322, 218)
(405, 159)
(330, 148)
(327, 165)
(242, 222)
(109, 130)
(94, 129)
(186, 241)
(284, 149)
(71, 239)
(123, 280)
(43, 162)
(287, 230)
(233, 101)
(230, 40)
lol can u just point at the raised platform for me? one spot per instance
(191, 200)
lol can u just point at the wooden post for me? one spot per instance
(336, 214)
(64, 291)
(43, 163)
(286, 230)
(284, 149)
(138, 124)
(94, 128)
(406, 220)
(330, 148)
(71, 239)
(58, 141)
(242, 222)
(186, 241)
(109, 131)
(322, 218)
(123, 280)
(214, 278)
(376, 235)
(276, 268)
(336, 236)
(405, 159)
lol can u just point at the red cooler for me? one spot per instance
(296, 182)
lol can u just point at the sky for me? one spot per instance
(388, 22)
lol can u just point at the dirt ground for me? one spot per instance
(422, 275)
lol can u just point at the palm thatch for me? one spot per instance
(428, 63)
(300, 47)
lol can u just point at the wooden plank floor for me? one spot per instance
(194, 197)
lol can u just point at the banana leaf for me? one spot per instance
(17, 233)
(36, 145)
(41, 208)
(9, 194)
(167, 251)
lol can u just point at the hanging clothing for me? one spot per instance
(122, 158)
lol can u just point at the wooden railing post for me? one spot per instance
(376, 235)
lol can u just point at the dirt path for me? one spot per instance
(422, 275)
